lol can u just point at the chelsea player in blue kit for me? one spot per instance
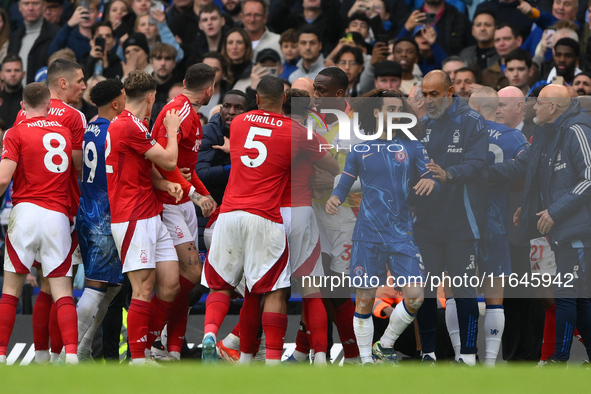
(383, 234)
(504, 143)
(102, 266)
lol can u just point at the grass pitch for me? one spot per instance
(195, 378)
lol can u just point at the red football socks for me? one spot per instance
(316, 323)
(250, 322)
(41, 311)
(274, 326)
(549, 333)
(344, 322)
(138, 318)
(68, 323)
(159, 314)
(236, 330)
(7, 317)
(302, 341)
(216, 309)
(57, 343)
(177, 324)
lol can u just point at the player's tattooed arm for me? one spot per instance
(332, 205)
(206, 203)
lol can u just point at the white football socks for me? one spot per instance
(87, 308)
(320, 358)
(231, 342)
(41, 356)
(245, 358)
(363, 327)
(494, 325)
(453, 326)
(103, 306)
(399, 320)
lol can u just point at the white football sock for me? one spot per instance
(453, 326)
(87, 308)
(176, 355)
(138, 360)
(320, 358)
(399, 320)
(71, 358)
(231, 342)
(363, 327)
(2, 359)
(299, 356)
(53, 357)
(86, 342)
(469, 359)
(245, 358)
(272, 362)
(41, 356)
(494, 325)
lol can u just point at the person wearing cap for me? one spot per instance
(268, 62)
(387, 75)
(136, 52)
(53, 11)
(431, 54)
(77, 32)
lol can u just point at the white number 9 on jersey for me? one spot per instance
(57, 151)
(250, 143)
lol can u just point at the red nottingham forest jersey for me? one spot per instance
(262, 146)
(42, 150)
(129, 177)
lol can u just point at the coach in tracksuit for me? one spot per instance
(557, 202)
(449, 224)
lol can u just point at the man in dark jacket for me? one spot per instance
(450, 223)
(31, 42)
(556, 202)
(213, 161)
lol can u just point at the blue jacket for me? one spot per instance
(70, 37)
(458, 142)
(557, 171)
(211, 162)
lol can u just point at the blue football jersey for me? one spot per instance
(94, 214)
(387, 170)
(504, 143)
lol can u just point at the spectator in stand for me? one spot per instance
(561, 10)
(452, 26)
(254, 16)
(232, 9)
(564, 63)
(507, 39)
(77, 32)
(267, 63)
(518, 69)
(212, 25)
(406, 53)
(112, 67)
(162, 60)
(310, 49)
(350, 60)
(53, 12)
(451, 64)
(387, 75)
(157, 32)
(563, 29)
(359, 22)
(483, 54)
(581, 85)
(183, 22)
(118, 13)
(11, 75)
(4, 33)
(431, 54)
(322, 15)
(465, 82)
(237, 49)
(140, 6)
(136, 52)
(31, 42)
(377, 12)
(289, 49)
(507, 12)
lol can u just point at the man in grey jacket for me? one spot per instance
(483, 54)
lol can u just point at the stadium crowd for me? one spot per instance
(234, 105)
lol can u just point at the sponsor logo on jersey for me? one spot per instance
(453, 149)
(367, 155)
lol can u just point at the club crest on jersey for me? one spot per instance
(359, 271)
(400, 156)
(143, 257)
(179, 232)
(456, 137)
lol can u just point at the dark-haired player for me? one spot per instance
(39, 227)
(102, 266)
(249, 238)
(180, 217)
(144, 245)
(66, 84)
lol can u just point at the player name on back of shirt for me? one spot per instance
(264, 119)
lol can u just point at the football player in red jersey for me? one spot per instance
(39, 196)
(249, 239)
(66, 84)
(143, 242)
(180, 218)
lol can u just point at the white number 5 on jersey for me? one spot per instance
(258, 145)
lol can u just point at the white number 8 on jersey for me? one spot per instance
(52, 152)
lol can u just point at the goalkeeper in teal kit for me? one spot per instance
(389, 172)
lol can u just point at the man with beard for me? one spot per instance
(465, 82)
(162, 59)
(565, 58)
(232, 9)
(582, 84)
(456, 140)
(180, 217)
(11, 74)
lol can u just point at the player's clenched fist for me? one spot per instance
(206, 203)
(172, 121)
(332, 205)
(175, 190)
